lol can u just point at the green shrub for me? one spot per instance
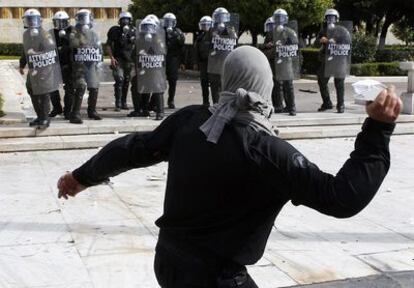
(310, 60)
(11, 49)
(1, 105)
(377, 69)
(394, 55)
(363, 48)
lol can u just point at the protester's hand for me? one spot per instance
(324, 40)
(69, 186)
(21, 71)
(269, 45)
(114, 62)
(386, 107)
(182, 67)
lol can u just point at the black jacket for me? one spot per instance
(225, 197)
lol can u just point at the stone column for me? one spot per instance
(408, 97)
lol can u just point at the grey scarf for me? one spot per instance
(246, 97)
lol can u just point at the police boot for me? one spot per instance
(92, 100)
(340, 93)
(124, 96)
(172, 84)
(326, 100)
(160, 106)
(145, 105)
(75, 116)
(44, 104)
(57, 107)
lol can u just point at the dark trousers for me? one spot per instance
(323, 87)
(215, 84)
(155, 100)
(41, 102)
(205, 83)
(172, 87)
(67, 98)
(172, 66)
(136, 97)
(284, 90)
(122, 77)
(176, 266)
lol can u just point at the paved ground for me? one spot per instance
(106, 236)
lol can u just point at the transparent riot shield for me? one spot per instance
(338, 50)
(151, 61)
(42, 58)
(87, 57)
(286, 45)
(223, 41)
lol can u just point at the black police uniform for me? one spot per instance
(215, 79)
(122, 46)
(175, 44)
(62, 43)
(41, 102)
(202, 50)
(281, 89)
(323, 80)
(222, 200)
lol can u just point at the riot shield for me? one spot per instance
(151, 52)
(87, 57)
(338, 50)
(42, 58)
(286, 45)
(222, 43)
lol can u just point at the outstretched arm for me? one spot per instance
(357, 182)
(359, 179)
(132, 151)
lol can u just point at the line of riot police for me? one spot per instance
(149, 54)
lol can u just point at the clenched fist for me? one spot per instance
(386, 107)
(69, 186)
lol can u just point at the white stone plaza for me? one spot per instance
(106, 236)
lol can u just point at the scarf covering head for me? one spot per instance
(246, 97)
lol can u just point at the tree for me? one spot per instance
(377, 15)
(253, 13)
(404, 30)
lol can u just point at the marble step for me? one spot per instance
(99, 140)
(59, 127)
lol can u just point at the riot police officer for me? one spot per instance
(87, 56)
(223, 38)
(331, 17)
(284, 66)
(62, 30)
(268, 50)
(202, 49)
(44, 75)
(175, 43)
(150, 68)
(121, 42)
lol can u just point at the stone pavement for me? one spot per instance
(105, 237)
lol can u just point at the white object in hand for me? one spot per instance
(367, 90)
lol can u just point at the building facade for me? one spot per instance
(11, 12)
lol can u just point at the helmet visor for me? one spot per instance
(222, 18)
(83, 19)
(280, 19)
(269, 27)
(331, 19)
(168, 23)
(125, 21)
(60, 24)
(32, 21)
(148, 28)
(205, 26)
